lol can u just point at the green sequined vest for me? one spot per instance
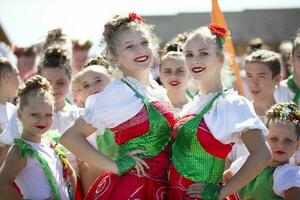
(107, 145)
(156, 139)
(261, 187)
(190, 158)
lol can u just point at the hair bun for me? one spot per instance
(100, 60)
(56, 35)
(35, 83)
(55, 56)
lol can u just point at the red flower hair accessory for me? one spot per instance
(219, 31)
(135, 17)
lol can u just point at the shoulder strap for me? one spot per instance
(27, 150)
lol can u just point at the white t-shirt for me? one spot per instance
(229, 116)
(284, 94)
(64, 118)
(9, 124)
(118, 103)
(32, 180)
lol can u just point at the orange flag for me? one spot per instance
(217, 17)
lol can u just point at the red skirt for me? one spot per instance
(129, 186)
(178, 187)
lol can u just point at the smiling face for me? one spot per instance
(283, 141)
(134, 53)
(173, 74)
(93, 81)
(202, 60)
(260, 80)
(36, 116)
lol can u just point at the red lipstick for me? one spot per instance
(198, 69)
(279, 152)
(174, 83)
(40, 127)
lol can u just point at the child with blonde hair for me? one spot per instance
(34, 166)
(279, 180)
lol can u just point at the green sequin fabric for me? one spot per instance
(26, 150)
(107, 145)
(190, 158)
(261, 187)
(154, 141)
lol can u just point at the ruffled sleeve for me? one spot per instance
(230, 116)
(11, 126)
(286, 177)
(113, 106)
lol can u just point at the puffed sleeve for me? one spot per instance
(286, 177)
(11, 127)
(231, 115)
(111, 107)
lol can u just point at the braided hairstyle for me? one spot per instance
(120, 24)
(284, 112)
(99, 60)
(55, 36)
(175, 44)
(36, 86)
(55, 57)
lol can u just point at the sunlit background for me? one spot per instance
(27, 21)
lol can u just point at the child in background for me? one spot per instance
(9, 126)
(174, 77)
(262, 76)
(280, 180)
(32, 165)
(55, 67)
(93, 79)
(77, 92)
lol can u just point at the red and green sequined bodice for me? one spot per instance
(196, 154)
(153, 136)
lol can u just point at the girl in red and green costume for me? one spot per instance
(280, 180)
(136, 109)
(33, 165)
(211, 124)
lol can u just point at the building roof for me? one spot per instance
(272, 25)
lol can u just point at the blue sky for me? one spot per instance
(27, 21)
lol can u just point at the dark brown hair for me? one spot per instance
(55, 57)
(267, 57)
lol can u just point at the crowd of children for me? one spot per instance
(103, 128)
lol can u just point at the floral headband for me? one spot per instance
(285, 112)
(219, 31)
